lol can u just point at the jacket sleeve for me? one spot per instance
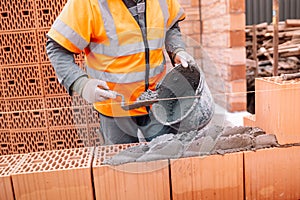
(67, 71)
(174, 41)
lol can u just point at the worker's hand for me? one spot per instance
(185, 59)
(96, 91)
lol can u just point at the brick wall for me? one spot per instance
(222, 51)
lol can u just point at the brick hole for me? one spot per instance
(3, 165)
(7, 49)
(21, 145)
(46, 11)
(11, 82)
(37, 161)
(44, 165)
(25, 12)
(52, 79)
(28, 48)
(32, 81)
(75, 158)
(47, 167)
(4, 14)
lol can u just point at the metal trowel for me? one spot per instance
(147, 98)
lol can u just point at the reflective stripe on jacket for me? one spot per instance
(113, 43)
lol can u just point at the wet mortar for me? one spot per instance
(180, 82)
(207, 141)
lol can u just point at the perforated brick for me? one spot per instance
(92, 115)
(28, 119)
(3, 115)
(8, 164)
(5, 143)
(19, 48)
(51, 85)
(26, 114)
(29, 141)
(17, 15)
(57, 174)
(28, 104)
(112, 182)
(22, 81)
(47, 11)
(95, 139)
(68, 137)
(60, 112)
(105, 152)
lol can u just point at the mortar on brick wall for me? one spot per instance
(208, 141)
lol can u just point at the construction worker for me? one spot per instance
(123, 42)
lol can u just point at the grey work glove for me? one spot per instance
(184, 58)
(93, 90)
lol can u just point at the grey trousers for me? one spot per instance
(123, 130)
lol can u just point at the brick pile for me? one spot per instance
(37, 114)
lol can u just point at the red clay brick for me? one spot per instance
(209, 177)
(278, 102)
(237, 38)
(8, 164)
(29, 141)
(67, 137)
(22, 81)
(19, 47)
(113, 182)
(50, 83)
(47, 11)
(5, 143)
(236, 72)
(17, 15)
(236, 6)
(272, 173)
(237, 21)
(61, 174)
(66, 111)
(95, 137)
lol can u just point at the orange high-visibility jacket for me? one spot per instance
(113, 44)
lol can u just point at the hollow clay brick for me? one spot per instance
(22, 81)
(5, 143)
(19, 47)
(95, 137)
(68, 137)
(272, 173)
(47, 11)
(92, 115)
(29, 141)
(66, 111)
(17, 15)
(26, 114)
(60, 174)
(147, 180)
(8, 164)
(3, 115)
(50, 83)
(276, 108)
(208, 177)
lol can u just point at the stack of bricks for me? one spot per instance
(37, 114)
(223, 39)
